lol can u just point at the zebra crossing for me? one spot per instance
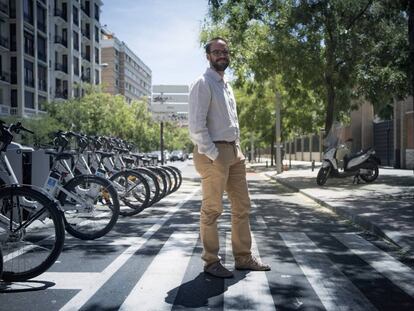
(248, 290)
(304, 276)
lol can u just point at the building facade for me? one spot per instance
(125, 73)
(48, 50)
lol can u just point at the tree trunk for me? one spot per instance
(411, 43)
(330, 108)
(272, 148)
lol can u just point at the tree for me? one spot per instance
(332, 49)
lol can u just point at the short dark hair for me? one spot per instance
(210, 42)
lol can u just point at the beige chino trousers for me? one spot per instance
(226, 173)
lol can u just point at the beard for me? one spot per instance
(220, 66)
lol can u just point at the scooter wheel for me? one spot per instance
(372, 175)
(322, 176)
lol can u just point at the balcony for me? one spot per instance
(42, 84)
(86, 56)
(5, 76)
(42, 56)
(86, 33)
(4, 8)
(60, 13)
(61, 93)
(61, 40)
(86, 78)
(86, 10)
(4, 42)
(4, 110)
(61, 67)
(28, 81)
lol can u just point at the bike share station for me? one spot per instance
(30, 166)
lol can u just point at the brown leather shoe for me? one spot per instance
(218, 270)
(253, 264)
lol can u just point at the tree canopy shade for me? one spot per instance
(335, 52)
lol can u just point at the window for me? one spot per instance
(41, 18)
(41, 48)
(42, 78)
(13, 98)
(13, 70)
(41, 101)
(96, 76)
(96, 55)
(12, 9)
(65, 63)
(76, 66)
(75, 16)
(29, 100)
(97, 12)
(13, 38)
(96, 34)
(28, 43)
(28, 11)
(76, 41)
(28, 73)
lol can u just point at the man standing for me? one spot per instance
(214, 130)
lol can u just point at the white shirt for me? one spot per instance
(212, 113)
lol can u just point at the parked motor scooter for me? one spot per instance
(338, 162)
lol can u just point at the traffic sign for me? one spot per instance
(170, 89)
(169, 108)
(170, 98)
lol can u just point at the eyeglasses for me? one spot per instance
(220, 52)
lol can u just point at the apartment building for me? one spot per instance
(48, 50)
(125, 73)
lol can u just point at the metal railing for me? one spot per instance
(4, 42)
(61, 13)
(61, 40)
(61, 67)
(5, 76)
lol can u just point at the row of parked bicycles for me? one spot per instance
(86, 190)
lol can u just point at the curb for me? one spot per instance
(358, 220)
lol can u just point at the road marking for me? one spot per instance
(251, 290)
(333, 288)
(69, 280)
(261, 222)
(84, 295)
(163, 274)
(398, 273)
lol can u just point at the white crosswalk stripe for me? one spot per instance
(163, 274)
(333, 288)
(398, 273)
(252, 291)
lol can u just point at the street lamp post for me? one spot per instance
(161, 99)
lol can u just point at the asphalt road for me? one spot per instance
(152, 262)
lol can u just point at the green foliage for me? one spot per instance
(99, 113)
(328, 55)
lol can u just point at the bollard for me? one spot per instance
(266, 164)
(313, 165)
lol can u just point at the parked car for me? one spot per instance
(190, 156)
(178, 155)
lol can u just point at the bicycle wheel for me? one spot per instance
(91, 208)
(162, 179)
(133, 191)
(173, 177)
(179, 176)
(152, 182)
(32, 233)
(1, 263)
(169, 179)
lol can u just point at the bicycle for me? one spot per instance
(32, 232)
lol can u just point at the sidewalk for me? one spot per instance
(384, 207)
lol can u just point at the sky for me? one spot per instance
(164, 34)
